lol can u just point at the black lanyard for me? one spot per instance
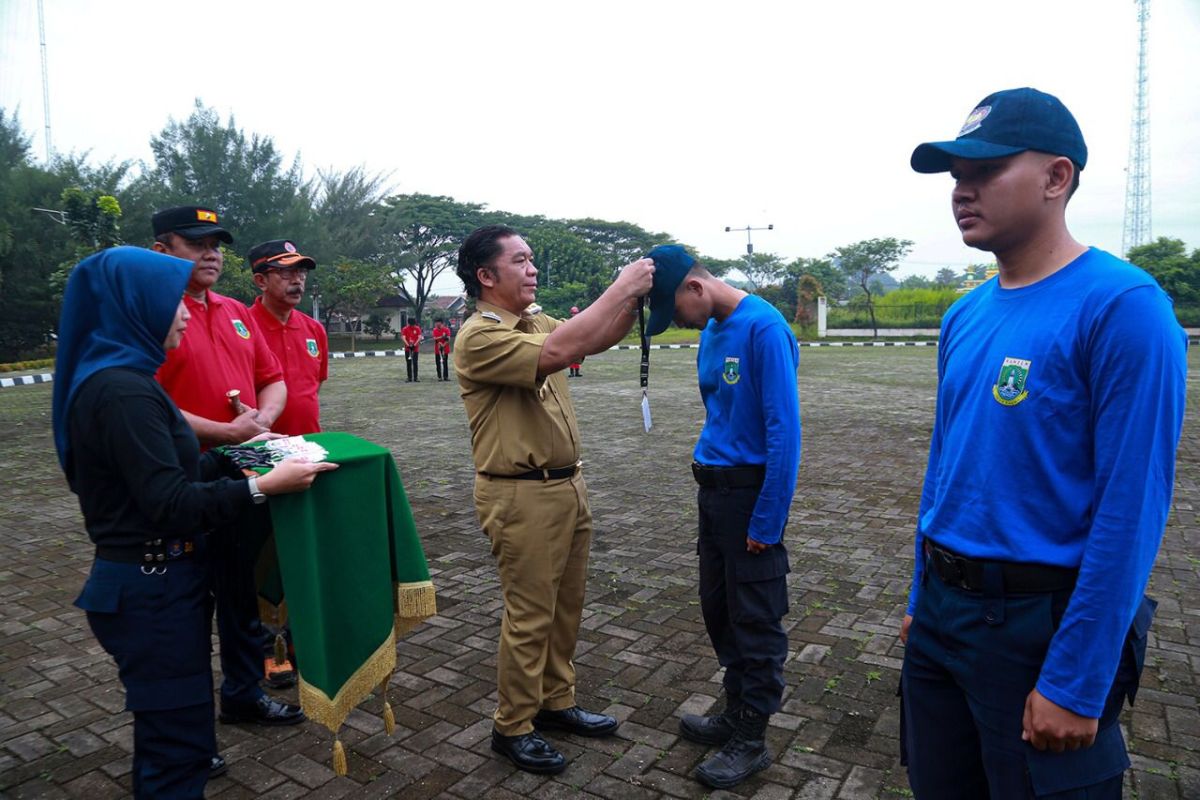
(645, 344)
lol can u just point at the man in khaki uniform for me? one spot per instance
(529, 490)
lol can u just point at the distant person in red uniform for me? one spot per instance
(575, 367)
(225, 352)
(412, 336)
(296, 339)
(441, 349)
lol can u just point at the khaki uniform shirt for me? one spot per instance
(518, 422)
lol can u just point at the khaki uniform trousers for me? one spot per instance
(540, 534)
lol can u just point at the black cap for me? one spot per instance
(190, 222)
(277, 253)
(671, 266)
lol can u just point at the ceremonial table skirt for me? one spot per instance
(355, 578)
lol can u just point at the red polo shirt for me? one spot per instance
(441, 339)
(411, 335)
(302, 348)
(222, 349)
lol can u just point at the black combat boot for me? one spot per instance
(743, 755)
(711, 729)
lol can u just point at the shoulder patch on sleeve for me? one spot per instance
(492, 315)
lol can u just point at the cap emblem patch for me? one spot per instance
(206, 216)
(291, 248)
(975, 120)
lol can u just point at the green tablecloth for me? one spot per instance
(354, 575)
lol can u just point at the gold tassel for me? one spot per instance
(339, 757)
(416, 601)
(280, 649)
(389, 718)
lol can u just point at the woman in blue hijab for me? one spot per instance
(148, 499)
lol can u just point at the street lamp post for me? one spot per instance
(749, 246)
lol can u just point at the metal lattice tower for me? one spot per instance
(45, 79)
(1137, 174)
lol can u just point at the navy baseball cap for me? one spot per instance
(190, 222)
(275, 254)
(671, 265)
(1004, 124)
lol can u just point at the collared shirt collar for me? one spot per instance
(272, 321)
(211, 298)
(507, 318)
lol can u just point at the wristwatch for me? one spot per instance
(257, 496)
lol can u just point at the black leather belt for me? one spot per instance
(728, 477)
(967, 573)
(152, 551)
(540, 474)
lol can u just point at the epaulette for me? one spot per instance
(492, 315)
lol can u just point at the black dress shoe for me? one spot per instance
(529, 752)
(575, 720)
(265, 711)
(217, 768)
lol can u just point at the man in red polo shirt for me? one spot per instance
(412, 335)
(201, 373)
(225, 352)
(301, 345)
(441, 349)
(296, 339)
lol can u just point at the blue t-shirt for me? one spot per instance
(747, 371)
(1059, 410)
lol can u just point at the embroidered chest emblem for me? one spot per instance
(1009, 388)
(731, 373)
(241, 329)
(311, 346)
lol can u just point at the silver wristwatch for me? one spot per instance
(257, 496)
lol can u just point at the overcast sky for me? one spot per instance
(682, 117)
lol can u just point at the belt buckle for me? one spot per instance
(964, 579)
(952, 570)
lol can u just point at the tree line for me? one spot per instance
(369, 242)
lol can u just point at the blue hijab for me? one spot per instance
(117, 310)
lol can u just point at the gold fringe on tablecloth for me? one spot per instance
(415, 603)
(332, 712)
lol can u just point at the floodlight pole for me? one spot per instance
(749, 245)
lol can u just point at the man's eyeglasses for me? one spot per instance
(288, 273)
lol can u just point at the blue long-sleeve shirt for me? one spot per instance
(747, 371)
(1059, 410)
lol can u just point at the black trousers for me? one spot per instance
(156, 623)
(443, 365)
(411, 361)
(235, 550)
(743, 597)
(971, 660)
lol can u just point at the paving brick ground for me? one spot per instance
(643, 655)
